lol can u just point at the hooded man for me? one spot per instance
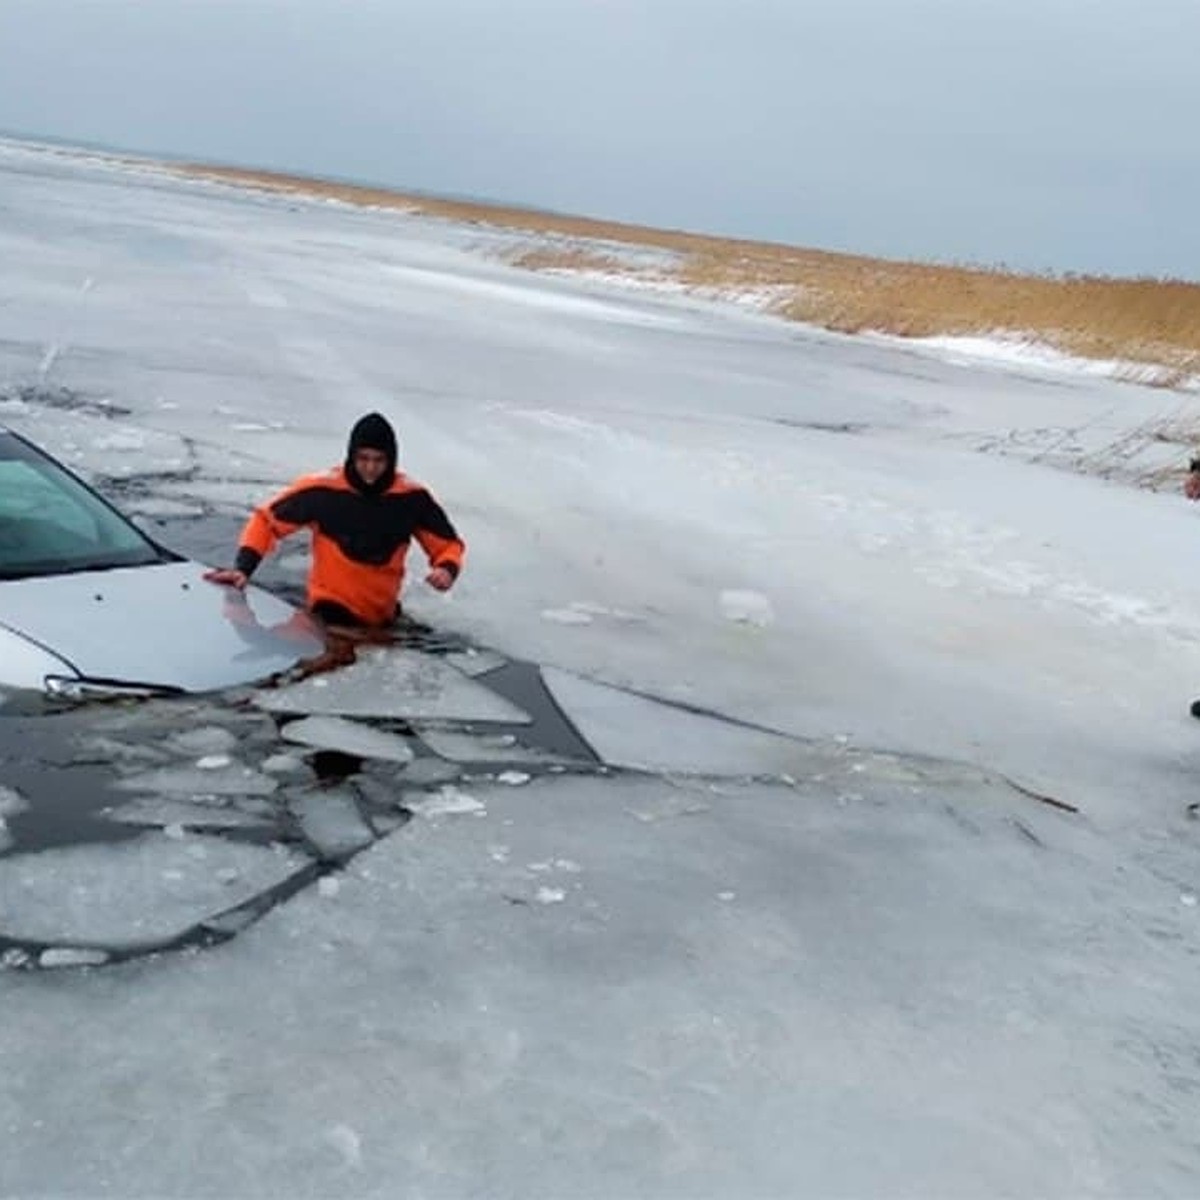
(362, 516)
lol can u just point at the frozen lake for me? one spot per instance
(740, 882)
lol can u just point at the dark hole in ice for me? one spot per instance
(331, 766)
(522, 683)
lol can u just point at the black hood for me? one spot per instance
(372, 432)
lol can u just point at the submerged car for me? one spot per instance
(91, 605)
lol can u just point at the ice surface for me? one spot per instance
(402, 684)
(925, 946)
(630, 731)
(350, 737)
(133, 893)
(331, 820)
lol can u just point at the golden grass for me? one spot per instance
(1140, 321)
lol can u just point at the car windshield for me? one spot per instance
(51, 524)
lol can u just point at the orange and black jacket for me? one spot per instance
(359, 541)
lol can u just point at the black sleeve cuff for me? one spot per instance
(247, 560)
(452, 567)
(1194, 465)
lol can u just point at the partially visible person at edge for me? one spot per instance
(362, 516)
(1191, 485)
(1191, 489)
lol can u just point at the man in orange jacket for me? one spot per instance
(362, 516)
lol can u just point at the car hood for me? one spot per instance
(162, 626)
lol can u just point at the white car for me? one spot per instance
(90, 605)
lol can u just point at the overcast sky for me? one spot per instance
(1044, 134)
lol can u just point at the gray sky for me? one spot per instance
(1043, 134)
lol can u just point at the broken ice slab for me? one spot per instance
(349, 737)
(393, 683)
(233, 780)
(632, 731)
(462, 747)
(128, 894)
(331, 820)
(152, 811)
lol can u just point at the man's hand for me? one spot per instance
(230, 576)
(1191, 485)
(440, 579)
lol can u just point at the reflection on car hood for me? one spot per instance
(159, 625)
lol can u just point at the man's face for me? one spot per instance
(370, 465)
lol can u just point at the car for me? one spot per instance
(91, 605)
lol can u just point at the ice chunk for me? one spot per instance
(206, 740)
(11, 802)
(331, 820)
(168, 813)
(328, 886)
(233, 780)
(390, 682)
(284, 764)
(747, 608)
(135, 893)
(458, 746)
(448, 801)
(550, 895)
(350, 737)
(632, 731)
(513, 778)
(72, 956)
